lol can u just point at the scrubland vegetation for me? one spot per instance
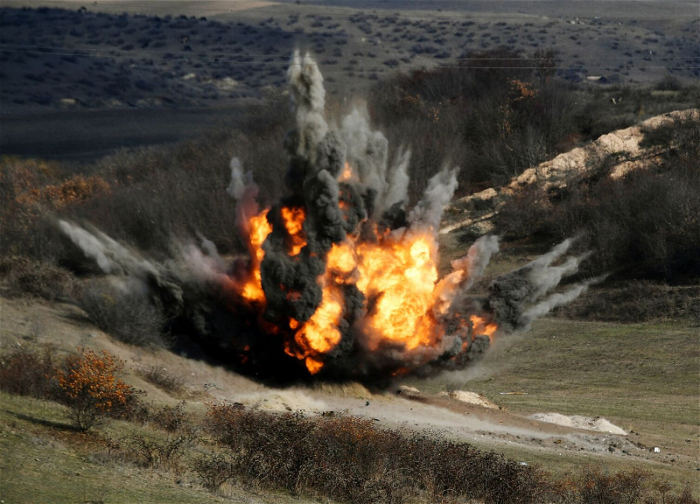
(645, 223)
(335, 456)
(495, 123)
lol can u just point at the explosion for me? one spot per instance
(340, 279)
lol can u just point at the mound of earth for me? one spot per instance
(618, 152)
(282, 400)
(470, 398)
(580, 422)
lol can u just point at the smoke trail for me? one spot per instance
(367, 150)
(110, 256)
(558, 299)
(428, 211)
(465, 271)
(245, 191)
(308, 101)
(513, 294)
(397, 190)
(339, 280)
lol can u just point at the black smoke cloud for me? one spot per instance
(198, 290)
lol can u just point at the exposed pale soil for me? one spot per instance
(619, 152)
(456, 415)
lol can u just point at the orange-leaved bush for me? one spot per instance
(90, 387)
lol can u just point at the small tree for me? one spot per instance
(90, 387)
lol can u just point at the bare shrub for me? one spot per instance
(29, 372)
(27, 277)
(669, 83)
(157, 451)
(596, 486)
(637, 301)
(214, 469)
(351, 459)
(164, 380)
(124, 315)
(172, 418)
(526, 213)
(685, 497)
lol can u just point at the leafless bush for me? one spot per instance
(685, 497)
(29, 372)
(596, 486)
(163, 379)
(157, 451)
(669, 83)
(172, 418)
(214, 469)
(125, 315)
(351, 459)
(637, 301)
(526, 213)
(27, 277)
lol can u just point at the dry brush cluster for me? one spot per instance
(494, 120)
(353, 460)
(333, 456)
(87, 383)
(644, 224)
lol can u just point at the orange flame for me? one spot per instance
(320, 334)
(294, 223)
(259, 229)
(313, 365)
(347, 173)
(341, 261)
(401, 276)
(396, 272)
(481, 326)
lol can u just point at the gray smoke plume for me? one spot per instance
(465, 271)
(204, 261)
(398, 180)
(202, 294)
(476, 260)
(317, 156)
(367, 150)
(308, 101)
(515, 297)
(428, 211)
(110, 255)
(245, 191)
(239, 182)
(558, 299)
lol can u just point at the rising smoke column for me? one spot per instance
(340, 278)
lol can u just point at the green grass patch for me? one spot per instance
(45, 460)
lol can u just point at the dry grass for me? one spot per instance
(353, 460)
(642, 377)
(173, 384)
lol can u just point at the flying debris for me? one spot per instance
(340, 279)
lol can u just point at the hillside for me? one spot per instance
(479, 285)
(646, 392)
